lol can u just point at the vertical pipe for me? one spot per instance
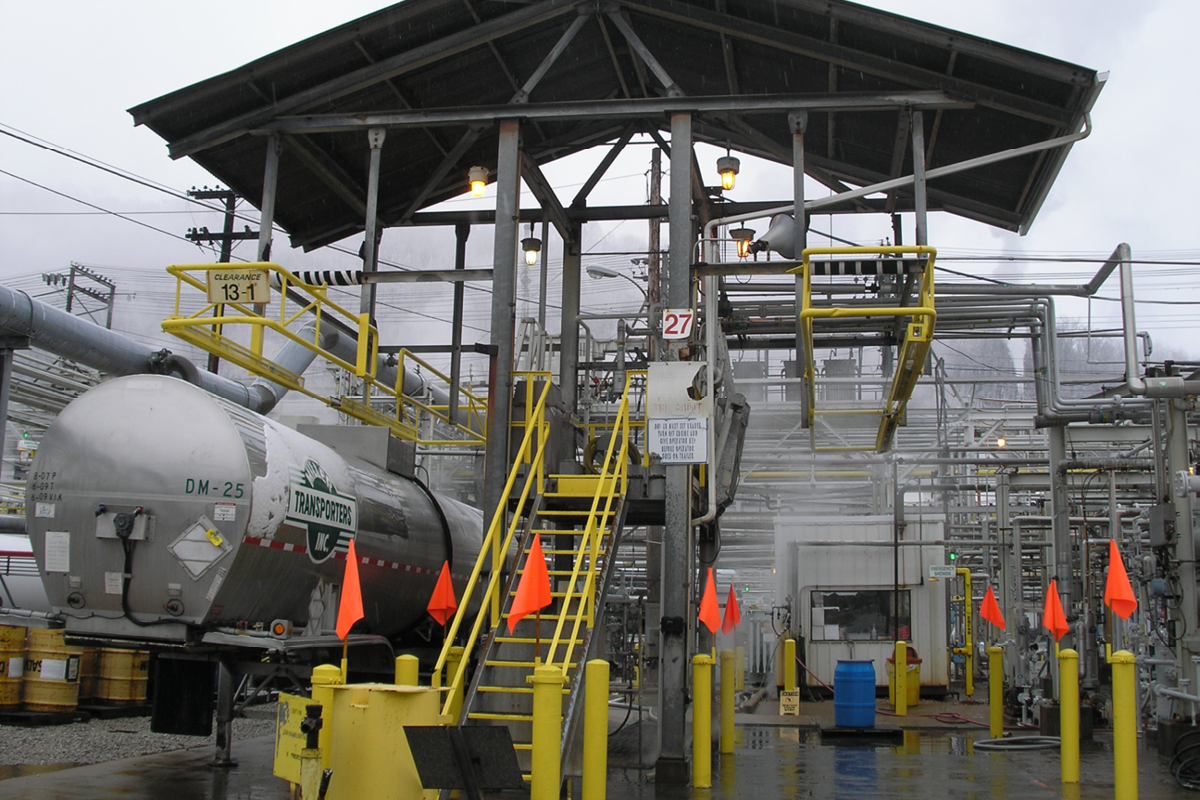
(1178, 460)
(462, 231)
(1068, 714)
(996, 692)
(266, 223)
(545, 779)
(408, 671)
(968, 631)
(739, 681)
(1060, 506)
(918, 154)
(900, 702)
(671, 766)
(702, 721)
(789, 665)
(728, 680)
(568, 346)
(595, 730)
(542, 278)
(366, 305)
(1124, 686)
(504, 271)
(798, 122)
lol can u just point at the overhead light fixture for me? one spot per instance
(532, 246)
(743, 237)
(478, 176)
(596, 272)
(1001, 442)
(728, 166)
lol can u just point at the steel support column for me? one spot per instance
(270, 183)
(462, 231)
(568, 343)
(671, 767)
(798, 122)
(920, 203)
(504, 309)
(375, 137)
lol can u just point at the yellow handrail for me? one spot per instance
(206, 332)
(613, 482)
(535, 423)
(917, 340)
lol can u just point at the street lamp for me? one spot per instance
(597, 272)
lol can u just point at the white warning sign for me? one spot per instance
(680, 440)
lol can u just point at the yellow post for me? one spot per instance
(739, 681)
(324, 677)
(408, 671)
(595, 730)
(702, 721)
(1068, 714)
(789, 665)
(545, 778)
(728, 675)
(453, 657)
(996, 691)
(900, 702)
(968, 650)
(1124, 687)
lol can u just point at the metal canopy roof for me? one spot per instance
(438, 73)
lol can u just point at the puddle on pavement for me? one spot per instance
(21, 770)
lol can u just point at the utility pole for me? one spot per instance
(226, 237)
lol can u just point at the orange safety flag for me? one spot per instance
(733, 614)
(1053, 617)
(533, 590)
(442, 604)
(710, 612)
(1118, 593)
(989, 610)
(350, 607)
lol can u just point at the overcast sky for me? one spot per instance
(71, 69)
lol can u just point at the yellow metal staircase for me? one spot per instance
(579, 519)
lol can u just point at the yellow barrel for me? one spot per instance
(12, 665)
(87, 674)
(51, 672)
(123, 676)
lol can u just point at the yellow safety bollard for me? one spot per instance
(1125, 721)
(408, 671)
(739, 681)
(454, 656)
(789, 665)
(595, 730)
(728, 676)
(325, 676)
(1068, 714)
(702, 721)
(996, 691)
(900, 701)
(545, 778)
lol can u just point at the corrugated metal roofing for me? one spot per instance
(462, 54)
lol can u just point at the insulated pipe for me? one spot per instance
(1167, 386)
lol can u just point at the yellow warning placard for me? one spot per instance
(289, 740)
(789, 703)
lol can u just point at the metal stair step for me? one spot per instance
(531, 640)
(522, 664)
(511, 689)
(495, 715)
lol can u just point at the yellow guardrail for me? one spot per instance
(613, 482)
(239, 294)
(917, 340)
(528, 461)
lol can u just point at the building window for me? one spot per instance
(861, 615)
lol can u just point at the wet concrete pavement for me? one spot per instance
(775, 758)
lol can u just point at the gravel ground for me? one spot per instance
(111, 739)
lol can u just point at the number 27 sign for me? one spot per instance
(677, 323)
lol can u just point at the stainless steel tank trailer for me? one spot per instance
(162, 515)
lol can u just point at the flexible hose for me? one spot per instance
(1020, 743)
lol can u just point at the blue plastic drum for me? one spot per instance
(854, 694)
